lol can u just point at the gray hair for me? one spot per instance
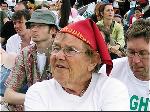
(90, 53)
(139, 29)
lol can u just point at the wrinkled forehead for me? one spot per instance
(67, 39)
(141, 42)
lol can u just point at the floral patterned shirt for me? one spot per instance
(26, 73)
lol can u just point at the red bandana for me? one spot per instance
(87, 31)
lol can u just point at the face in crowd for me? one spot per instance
(108, 12)
(70, 63)
(19, 6)
(41, 32)
(139, 57)
(20, 26)
(4, 6)
(19, 19)
(138, 52)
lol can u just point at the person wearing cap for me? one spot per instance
(32, 64)
(76, 85)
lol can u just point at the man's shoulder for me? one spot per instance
(122, 60)
(121, 68)
(29, 49)
(103, 78)
(109, 83)
(120, 64)
(14, 37)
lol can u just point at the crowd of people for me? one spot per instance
(55, 58)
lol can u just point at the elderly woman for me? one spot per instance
(77, 51)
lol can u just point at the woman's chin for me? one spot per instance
(60, 75)
(60, 71)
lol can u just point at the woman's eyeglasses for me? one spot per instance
(68, 51)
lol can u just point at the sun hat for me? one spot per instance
(42, 16)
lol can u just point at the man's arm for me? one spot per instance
(14, 97)
(15, 81)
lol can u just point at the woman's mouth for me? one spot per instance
(60, 66)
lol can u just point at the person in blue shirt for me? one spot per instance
(6, 63)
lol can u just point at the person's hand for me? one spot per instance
(2, 54)
(116, 47)
(115, 50)
(7, 59)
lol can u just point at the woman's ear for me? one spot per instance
(94, 61)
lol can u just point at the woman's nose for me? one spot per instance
(60, 55)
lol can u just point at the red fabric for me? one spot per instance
(130, 20)
(142, 1)
(87, 31)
